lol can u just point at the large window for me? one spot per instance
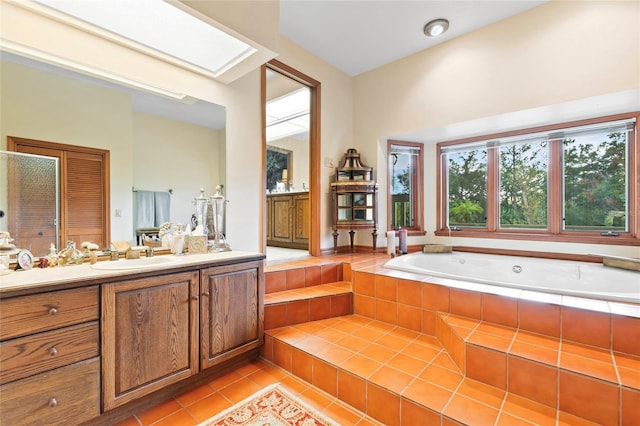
(565, 182)
(405, 186)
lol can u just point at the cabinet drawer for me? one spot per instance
(58, 397)
(26, 356)
(24, 315)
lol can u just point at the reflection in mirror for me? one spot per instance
(155, 143)
(288, 105)
(29, 201)
(287, 132)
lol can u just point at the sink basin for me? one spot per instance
(143, 262)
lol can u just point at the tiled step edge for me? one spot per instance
(414, 405)
(290, 307)
(538, 371)
(292, 278)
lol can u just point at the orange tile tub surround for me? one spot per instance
(364, 284)
(539, 318)
(466, 303)
(626, 334)
(591, 328)
(500, 310)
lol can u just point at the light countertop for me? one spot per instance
(48, 277)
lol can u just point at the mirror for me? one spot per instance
(155, 143)
(287, 130)
(288, 105)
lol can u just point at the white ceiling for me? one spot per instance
(357, 36)
(354, 36)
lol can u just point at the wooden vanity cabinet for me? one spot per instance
(149, 335)
(49, 364)
(288, 220)
(81, 355)
(231, 311)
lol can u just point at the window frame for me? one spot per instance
(417, 182)
(554, 231)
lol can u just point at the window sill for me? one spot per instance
(622, 240)
(411, 232)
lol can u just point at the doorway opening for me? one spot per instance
(291, 162)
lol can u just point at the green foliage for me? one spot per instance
(594, 186)
(523, 185)
(595, 182)
(466, 212)
(468, 188)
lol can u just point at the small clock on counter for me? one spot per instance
(24, 259)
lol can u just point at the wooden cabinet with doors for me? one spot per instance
(149, 335)
(231, 311)
(288, 220)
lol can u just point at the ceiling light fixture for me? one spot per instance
(436, 27)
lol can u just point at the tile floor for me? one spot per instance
(205, 401)
(372, 364)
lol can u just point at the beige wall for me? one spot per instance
(173, 155)
(535, 65)
(336, 121)
(556, 62)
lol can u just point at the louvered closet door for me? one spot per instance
(84, 198)
(84, 194)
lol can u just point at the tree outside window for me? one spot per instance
(595, 186)
(405, 185)
(577, 180)
(523, 185)
(467, 178)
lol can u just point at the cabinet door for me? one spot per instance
(149, 330)
(231, 311)
(282, 219)
(302, 219)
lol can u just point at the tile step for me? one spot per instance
(289, 307)
(492, 353)
(399, 376)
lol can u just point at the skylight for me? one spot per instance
(288, 115)
(160, 26)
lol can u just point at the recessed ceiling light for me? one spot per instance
(436, 27)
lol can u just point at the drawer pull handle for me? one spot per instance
(53, 402)
(53, 351)
(53, 311)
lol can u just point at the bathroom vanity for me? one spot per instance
(83, 344)
(288, 220)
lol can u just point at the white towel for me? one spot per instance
(162, 208)
(145, 209)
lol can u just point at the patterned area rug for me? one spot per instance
(272, 406)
